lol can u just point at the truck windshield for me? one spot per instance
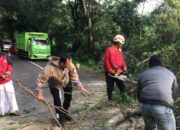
(40, 41)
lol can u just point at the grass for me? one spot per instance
(121, 101)
(102, 123)
(124, 100)
(101, 105)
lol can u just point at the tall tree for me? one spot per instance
(87, 9)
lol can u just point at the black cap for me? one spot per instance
(156, 60)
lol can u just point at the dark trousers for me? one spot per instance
(67, 98)
(110, 85)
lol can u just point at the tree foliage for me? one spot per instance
(85, 28)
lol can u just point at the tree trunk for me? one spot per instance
(87, 13)
(75, 17)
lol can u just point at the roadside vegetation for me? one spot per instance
(119, 101)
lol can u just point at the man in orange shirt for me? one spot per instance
(114, 64)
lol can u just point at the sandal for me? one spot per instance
(16, 113)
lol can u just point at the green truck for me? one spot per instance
(33, 45)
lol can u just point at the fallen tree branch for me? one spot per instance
(52, 114)
(116, 120)
(49, 105)
(142, 62)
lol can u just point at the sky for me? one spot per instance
(144, 8)
(149, 6)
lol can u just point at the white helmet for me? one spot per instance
(119, 38)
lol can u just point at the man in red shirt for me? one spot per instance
(114, 64)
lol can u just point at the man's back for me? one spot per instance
(156, 90)
(156, 84)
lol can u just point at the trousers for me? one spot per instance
(8, 103)
(57, 100)
(110, 85)
(158, 117)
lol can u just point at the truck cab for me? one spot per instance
(34, 45)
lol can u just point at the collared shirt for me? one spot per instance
(57, 77)
(113, 60)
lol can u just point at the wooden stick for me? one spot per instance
(45, 102)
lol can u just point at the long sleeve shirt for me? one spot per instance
(157, 85)
(56, 77)
(4, 67)
(113, 60)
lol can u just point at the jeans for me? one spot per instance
(158, 117)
